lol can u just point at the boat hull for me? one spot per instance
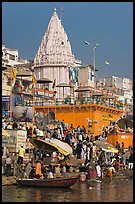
(55, 182)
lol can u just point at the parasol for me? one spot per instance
(62, 145)
(105, 146)
(124, 123)
(4, 68)
(47, 146)
(64, 85)
(5, 133)
(44, 80)
(23, 74)
(81, 89)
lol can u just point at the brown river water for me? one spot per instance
(120, 190)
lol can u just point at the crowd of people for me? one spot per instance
(84, 149)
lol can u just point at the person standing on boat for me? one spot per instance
(28, 168)
(21, 155)
(38, 169)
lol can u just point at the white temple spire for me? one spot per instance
(55, 47)
(54, 55)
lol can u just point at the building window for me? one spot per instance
(11, 57)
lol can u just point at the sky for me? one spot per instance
(108, 23)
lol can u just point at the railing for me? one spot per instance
(70, 101)
(76, 101)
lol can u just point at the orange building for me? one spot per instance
(96, 115)
(127, 138)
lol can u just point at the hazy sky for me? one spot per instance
(108, 23)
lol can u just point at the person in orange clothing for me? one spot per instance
(38, 169)
(109, 173)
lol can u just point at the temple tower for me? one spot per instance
(54, 56)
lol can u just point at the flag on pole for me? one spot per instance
(62, 9)
(33, 78)
(13, 72)
(106, 62)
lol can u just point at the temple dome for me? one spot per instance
(55, 47)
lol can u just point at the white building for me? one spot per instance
(54, 57)
(11, 57)
(119, 85)
(86, 75)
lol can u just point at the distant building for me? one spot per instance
(86, 75)
(11, 57)
(118, 85)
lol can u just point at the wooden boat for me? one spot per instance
(53, 182)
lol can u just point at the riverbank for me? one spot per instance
(125, 174)
(6, 181)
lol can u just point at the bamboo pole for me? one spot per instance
(55, 103)
(33, 111)
(11, 97)
(73, 107)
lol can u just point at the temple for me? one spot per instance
(54, 57)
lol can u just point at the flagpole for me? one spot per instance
(107, 63)
(32, 107)
(11, 97)
(54, 93)
(61, 14)
(55, 104)
(73, 107)
(33, 91)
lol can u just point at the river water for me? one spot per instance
(110, 191)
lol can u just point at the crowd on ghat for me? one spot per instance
(84, 149)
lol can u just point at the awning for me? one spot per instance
(48, 146)
(105, 146)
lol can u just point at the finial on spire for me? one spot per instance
(54, 13)
(62, 10)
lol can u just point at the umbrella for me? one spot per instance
(64, 85)
(81, 89)
(4, 68)
(47, 146)
(62, 145)
(124, 123)
(24, 74)
(44, 80)
(105, 146)
(5, 133)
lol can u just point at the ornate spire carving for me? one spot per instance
(55, 47)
